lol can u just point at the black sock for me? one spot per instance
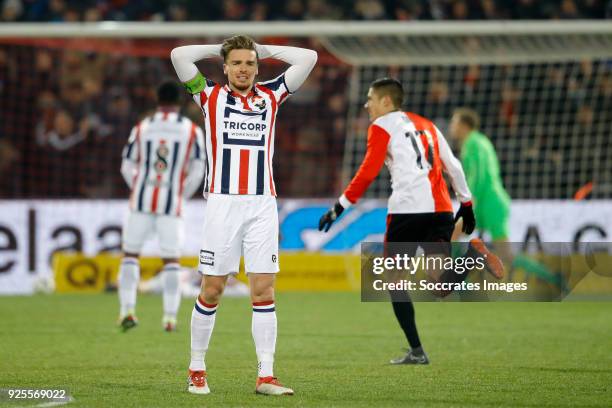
(404, 312)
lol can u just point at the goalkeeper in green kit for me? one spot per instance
(490, 200)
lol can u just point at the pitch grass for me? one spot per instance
(332, 349)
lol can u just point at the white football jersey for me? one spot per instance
(416, 154)
(240, 136)
(161, 147)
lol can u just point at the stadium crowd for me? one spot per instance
(68, 106)
(67, 114)
(294, 10)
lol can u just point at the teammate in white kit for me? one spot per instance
(420, 209)
(163, 164)
(241, 213)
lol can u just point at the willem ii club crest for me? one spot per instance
(259, 102)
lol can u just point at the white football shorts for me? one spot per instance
(139, 227)
(236, 225)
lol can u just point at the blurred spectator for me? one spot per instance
(92, 15)
(438, 9)
(490, 11)
(234, 10)
(12, 10)
(177, 13)
(369, 10)
(56, 10)
(260, 11)
(294, 10)
(71, 15)
(568, 10)
(459, 10)
(508, 115)
(10, 156)
(61, 163)
(65, 133)
(412, 10)
(438, 92)
(321, 10)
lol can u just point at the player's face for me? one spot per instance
(241, 68)
(375, 105)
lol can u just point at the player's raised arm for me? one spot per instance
(302, 60)
(184, 59)
(453, 168)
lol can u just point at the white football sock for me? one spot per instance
(264, 334)
(171, 289)
(202, 324)
(129, 275)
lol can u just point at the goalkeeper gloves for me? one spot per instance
(467, 213)
(330, 216)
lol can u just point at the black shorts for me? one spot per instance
(435, 229)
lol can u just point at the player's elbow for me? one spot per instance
(179, 54)
(175, 54)
(313, 56)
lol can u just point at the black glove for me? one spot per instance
(467, 213)
(330, 216)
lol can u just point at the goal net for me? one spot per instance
(543, 91)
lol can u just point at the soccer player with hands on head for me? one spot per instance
(241, 213)
(419, 209)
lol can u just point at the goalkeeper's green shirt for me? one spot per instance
(481, 167)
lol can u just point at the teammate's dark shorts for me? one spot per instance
(431, 231)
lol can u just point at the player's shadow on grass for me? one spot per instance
(569, 370)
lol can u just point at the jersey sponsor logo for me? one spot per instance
(207, 257)
(258, 127)
(244, 128)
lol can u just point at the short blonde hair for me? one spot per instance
(237, 42)
(469, 117)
